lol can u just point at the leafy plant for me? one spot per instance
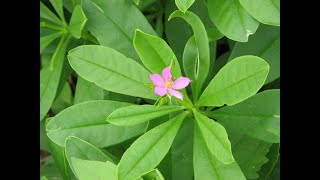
(121, 100)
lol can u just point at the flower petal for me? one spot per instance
(157, 80)
(175, 93)
(166, 74)
(181, 83)
(160, 91)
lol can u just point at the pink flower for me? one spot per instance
(164, 84)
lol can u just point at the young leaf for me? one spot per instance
(137, 114)
(235, 82)
(58, 6)
(87, 91)
(265, 11)
(114, 28)
(89, 170)
(50, 79)
(265, 43)
(215, 137)
(76, 147)
(183, 5)
(47, 14)
(87, 121)
(232, 19)
(149, 149)
(207, 166)
(77, 22)
(111, 70)
(258, 116)
(155, 53)
(202, 44)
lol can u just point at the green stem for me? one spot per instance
(52, 26)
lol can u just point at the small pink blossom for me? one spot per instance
(164, 84)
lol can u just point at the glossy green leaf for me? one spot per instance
(64, 99)
(58, 6)
(202, 44)
(47, 14)
(46, 40)
(265, 43)
(265, 11)
(111, 70)
(87, 91)
(49, 80)
(215, 137)
(181, 152)
(114, 28)
(184, 5)
(232, 19)
(273, 156)
(87, 121)
(235, 82)
(89, 170)
(77, 22)
(258, 116)
(155, 53)
(76, 147)
(58, 154)
(149, 149)
(207, 166)
(153, 175)
(137, 114)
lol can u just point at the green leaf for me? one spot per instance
(155, 53)
(215, 137)
(214, 34)
(248, 152)
(258, 116)
(46, 40)
(202, 45)
(136, 1)
(265, 11)
(47, 14)
(153, 175)
(43, 178)
(77, 22)
(275, 174)
(87, 121)
(49, 80)
(137, 114)
(219, 63)
(69, 5)
(111, 70)
(64, 99)
(76, 147)
(149, 149)
(181, 152)
(273, 156)
(232, 19)
(50, 170)
(114, 28)
(207, 166)
(265, 43)
(89, 170)
(58, 6)
(235, 82)
(57, 152)
(183, 5)
(87, 91)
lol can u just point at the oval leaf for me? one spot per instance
(183, 5)
(87, 121)
(216, 138)
(207, 166)
(235, 82)
(202, 44)
(265, 11)
(136, 114)
(232, 19)
(149, 149)
(111, 70)
(258, 116)
(89, 170)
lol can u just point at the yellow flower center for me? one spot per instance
(168, 84)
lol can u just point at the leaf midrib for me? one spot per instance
(75, 127)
